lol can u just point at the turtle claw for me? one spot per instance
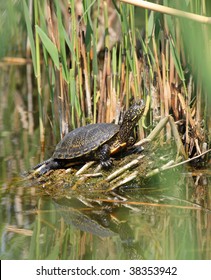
(105, 159)
(107, 164)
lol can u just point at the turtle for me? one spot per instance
(94, 142)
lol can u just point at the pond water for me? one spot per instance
(169, 217)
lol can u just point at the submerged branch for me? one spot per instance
(124, 168)
(124, 181)
(170, 165)
(138, 203)
(190, 159)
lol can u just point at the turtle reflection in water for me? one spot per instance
(94, 142)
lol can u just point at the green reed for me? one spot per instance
(79, 83)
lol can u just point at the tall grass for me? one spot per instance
(83, 89)
(91, 58)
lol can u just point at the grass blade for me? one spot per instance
(50, 47)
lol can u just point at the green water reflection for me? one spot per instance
(156, 222)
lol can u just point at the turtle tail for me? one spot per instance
(45, 166)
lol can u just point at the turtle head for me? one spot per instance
(130, 119)
(134, 113)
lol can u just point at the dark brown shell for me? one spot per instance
(84, 140)
(87, 139)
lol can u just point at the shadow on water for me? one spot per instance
(169, 217)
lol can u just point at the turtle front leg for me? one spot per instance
(104, 156)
